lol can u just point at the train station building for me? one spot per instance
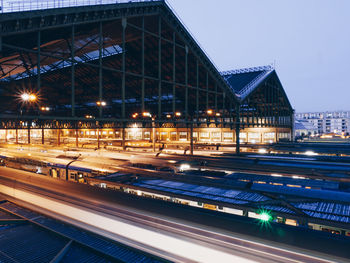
(127, 72)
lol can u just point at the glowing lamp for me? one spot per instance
(265, 217)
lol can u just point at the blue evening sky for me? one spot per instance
(309, 41)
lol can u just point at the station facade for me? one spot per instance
(128, 71)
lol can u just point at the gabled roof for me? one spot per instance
(244, 81)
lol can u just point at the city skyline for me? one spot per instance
(305, 40)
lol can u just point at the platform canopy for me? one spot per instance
(121, 62)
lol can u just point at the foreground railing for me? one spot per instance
(9, 6)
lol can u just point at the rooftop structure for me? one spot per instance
(98, 65)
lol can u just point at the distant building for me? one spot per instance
(325, 122)
(304, 128)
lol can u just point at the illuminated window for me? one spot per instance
(253, 137)
(173, 136)
(216, 136)
(147, 135)
(182, 136)
(243, 137)
(291, 222)
(204, 136)
(292, 185)
(163, 136)
(269, 135)
(228, 136)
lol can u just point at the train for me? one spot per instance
(70, 170)
(66, 170)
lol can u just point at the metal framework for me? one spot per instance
(107, 65)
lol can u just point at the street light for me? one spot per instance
(209, 112)
(146, 114)
(28, 97)
(101, 103)
(45, 108)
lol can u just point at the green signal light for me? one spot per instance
(265, 217)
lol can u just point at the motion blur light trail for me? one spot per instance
(160, 241)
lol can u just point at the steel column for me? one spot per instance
(207, 89)
(174, 73)
(73, 72)
(191, 138)
(42, 136)
(38, 61)
(186, 82)
(159, 67)
(58, 137)
(28, 133)
(223, 106)
(153, 136)
(238, 130)
(123, 138)
(16, 135)
(98, 138)
(216, 98)
(143, 65)
(100, 76)
(76, 138)
(124, 24)
(197, 90)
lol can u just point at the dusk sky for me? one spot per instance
(309, 41)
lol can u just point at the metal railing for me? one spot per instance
(9, 6)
